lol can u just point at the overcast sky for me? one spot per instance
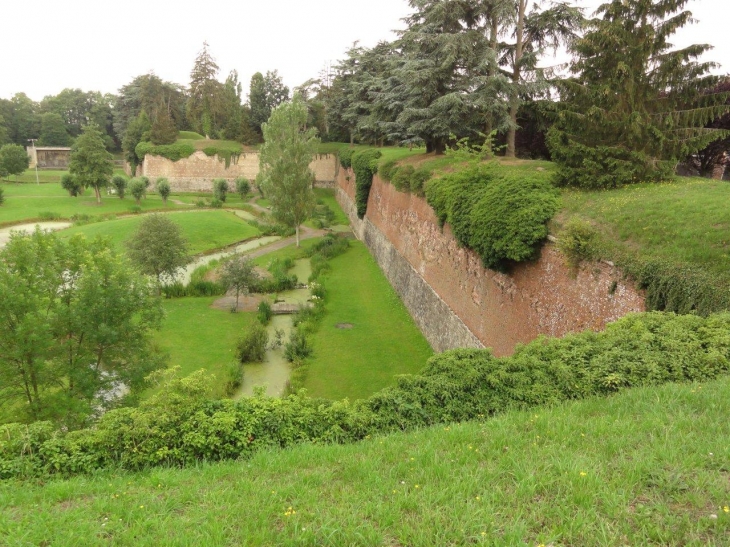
(49, 45)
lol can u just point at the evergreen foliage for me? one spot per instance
(634, 106)
(204, 109)
(180, 425)
(136, 131)
(365, 165)
(266, 93)
(163, 130)
(502, 217)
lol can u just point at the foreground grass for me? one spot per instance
(204, 230)
(30, 201)
(384, 340)
(197, 336)
(646, 467)
(685, 221)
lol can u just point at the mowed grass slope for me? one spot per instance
(383, 341)
(27, 201)
(686, 221)
(646, 467)
(204, 230)
(196, 336)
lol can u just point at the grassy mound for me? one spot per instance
(646, 467)
(204, 230)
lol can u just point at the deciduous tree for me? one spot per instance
(238, 274)
(75, 321)
(158, 247)
(14, 160)
(284, 159)
(90, 162)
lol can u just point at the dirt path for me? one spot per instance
(304, 233)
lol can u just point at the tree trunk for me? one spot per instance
(514, 99)
(352, 139)
(98, 195)
(297, 230)
(493, 44)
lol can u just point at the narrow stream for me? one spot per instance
(275, 371)
(185, 273)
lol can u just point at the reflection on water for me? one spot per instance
(275, 371)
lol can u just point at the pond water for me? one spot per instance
(275, 371)
(30, 227)
(184, 275)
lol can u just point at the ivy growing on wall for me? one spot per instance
(365, 165)
(503, 217)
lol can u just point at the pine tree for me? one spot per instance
(634, 105)
(163, 129)
(206, 96)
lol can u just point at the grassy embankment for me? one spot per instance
(204, 230)
(383, 341)
(646, 467)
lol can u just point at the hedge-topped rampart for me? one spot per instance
(180, 426)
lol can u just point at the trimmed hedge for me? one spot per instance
(180, 425)
(503, 217)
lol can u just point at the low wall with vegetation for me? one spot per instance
(196, 172)
(501, 310)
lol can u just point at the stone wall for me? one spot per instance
(196, 173)
(499, 310)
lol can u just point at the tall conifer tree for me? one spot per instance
(635, 105)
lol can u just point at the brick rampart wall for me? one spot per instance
(196, 173)
(500, 310)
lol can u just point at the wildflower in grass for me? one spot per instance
(583, 473)
(726, 509)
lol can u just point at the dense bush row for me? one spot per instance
(405, 178)
(180, 425)
(503, 217)
(174, 152)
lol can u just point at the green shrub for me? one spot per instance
(243, 187)
(163, 188)
(220, 189)
(234, 379)
(387, 169)
(502, 218)
(297, 348)
(135, 209)
(578, 241)
(402, 178)
(419, 179)
(138, 189)
(181, 425)
(72, 185)
(345, 156)
(119, 183)
(174, 152)
(264, 312)
(48, 215)
(252, 347)
(215, 203)
(365, 165)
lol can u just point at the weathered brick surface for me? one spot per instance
(196, 173)
(540, 298)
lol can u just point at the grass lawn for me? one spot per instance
(197, 336)
(202, 143)
(645, 467)
(383, 342)
(205, 230)
(327, 196)
(28, 201)
(686, 221)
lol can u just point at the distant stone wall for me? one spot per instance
(196, 173)
(497, 310)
